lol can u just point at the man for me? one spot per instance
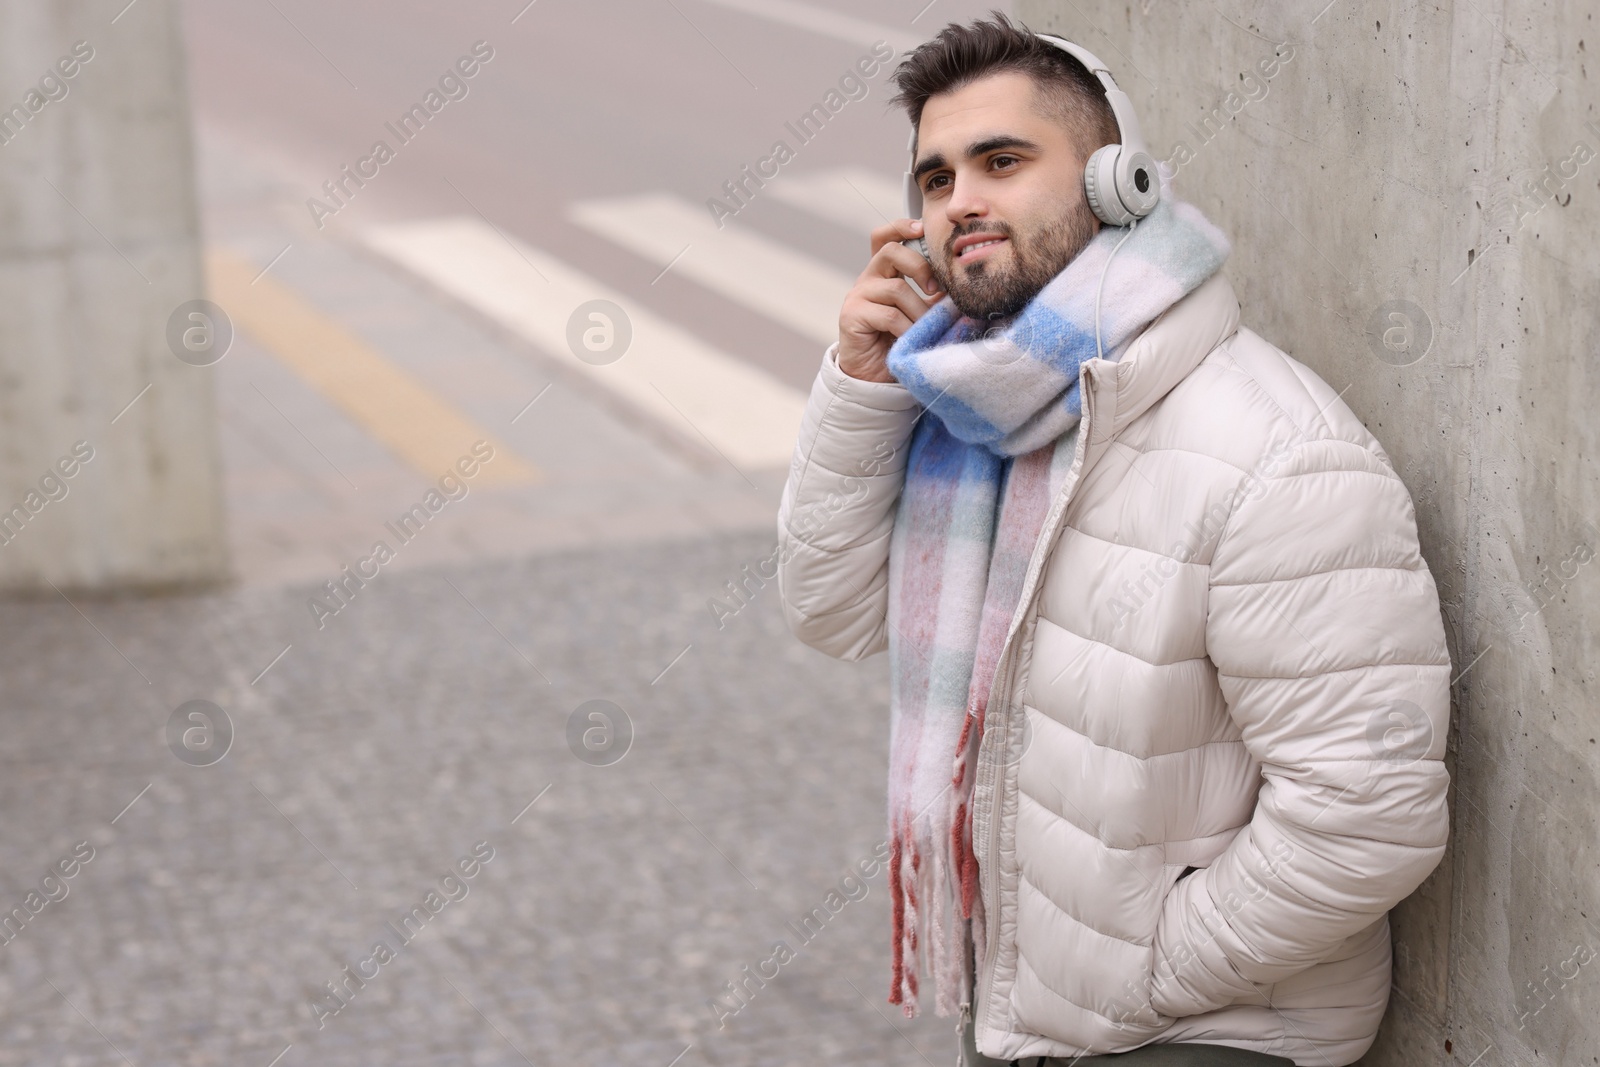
(1169, 684)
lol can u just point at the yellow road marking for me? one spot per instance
(387, 401)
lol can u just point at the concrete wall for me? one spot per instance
(1401, 155)
(99, 245)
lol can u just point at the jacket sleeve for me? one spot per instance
(838, 509)
(1324, 625)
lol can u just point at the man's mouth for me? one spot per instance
(974, 247)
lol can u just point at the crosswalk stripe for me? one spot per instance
(746, 267)
(392, 405)
(667, 373)
(853, 197)
(827, 23)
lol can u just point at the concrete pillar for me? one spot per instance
(109, 471)
(1413, 199)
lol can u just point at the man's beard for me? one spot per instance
(987, 292)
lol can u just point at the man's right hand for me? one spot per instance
(882, 305)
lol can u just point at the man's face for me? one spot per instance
(994, 169)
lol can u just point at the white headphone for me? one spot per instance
(1119, 180)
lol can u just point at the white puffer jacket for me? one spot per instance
(1229, 656)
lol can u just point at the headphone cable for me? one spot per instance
(1099, 350)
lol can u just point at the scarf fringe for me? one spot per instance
(920, 910)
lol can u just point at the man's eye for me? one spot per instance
(933, 182)
(997, 160)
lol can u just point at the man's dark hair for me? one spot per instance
(960, 55)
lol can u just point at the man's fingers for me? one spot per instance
(882, 302)
(921, 272)
(894, 260)
(898, 230)
(885, 318)
(898, 292)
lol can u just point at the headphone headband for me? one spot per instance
(1121, 106)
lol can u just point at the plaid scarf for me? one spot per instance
(980, 478)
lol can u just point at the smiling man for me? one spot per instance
(993, 263)
(1168, 677)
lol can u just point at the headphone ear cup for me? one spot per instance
(912, 193)
(1139, 188)
(1100, 187)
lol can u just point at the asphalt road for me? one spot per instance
(580, 101)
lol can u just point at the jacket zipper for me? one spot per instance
(987, 769)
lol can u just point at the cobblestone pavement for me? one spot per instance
(429, 718)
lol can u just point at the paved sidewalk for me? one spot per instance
(364, 765)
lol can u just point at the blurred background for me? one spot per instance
(395, 401)
(275, 340)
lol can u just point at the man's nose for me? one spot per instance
(966, 202)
